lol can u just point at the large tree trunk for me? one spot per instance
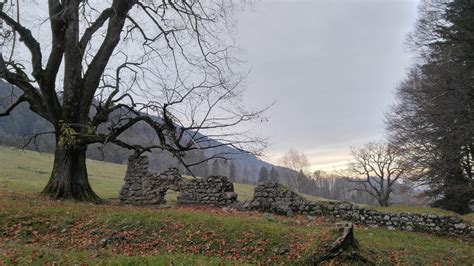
(69, 178)
(383, 203)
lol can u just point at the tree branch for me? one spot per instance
(96, 25)
(31, 94)
(100, 60)
(30, 42)
(48, 80)
(7, 112)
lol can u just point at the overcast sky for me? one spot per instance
(331, 66)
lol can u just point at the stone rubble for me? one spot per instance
(143, 187)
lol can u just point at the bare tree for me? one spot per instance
(380, 165)
(296, 162)
(103, 67)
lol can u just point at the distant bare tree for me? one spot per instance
(296, 162)
(94, 69)
(380, 165)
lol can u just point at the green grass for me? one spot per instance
(71, 232)
(23, 170)
(30, 171)
(469, 218)
(404, 248)
(28, 255)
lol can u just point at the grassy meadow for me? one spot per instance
(23, 170)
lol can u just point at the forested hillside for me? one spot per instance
(24, 128)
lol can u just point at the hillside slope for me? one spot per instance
(28, 171)
(23, 170)
(40, 231)
(37, 230)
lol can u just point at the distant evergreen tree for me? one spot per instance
(245, 177)
(205, 169)
(215, 168)
(274, 175)
(303, 183)
(263, 175)
(232, 170)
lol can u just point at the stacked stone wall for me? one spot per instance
(276, 198)
(145, 187)
(212, 190)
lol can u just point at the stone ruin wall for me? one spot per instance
(212, 190)
(144, 187)
(275, 198)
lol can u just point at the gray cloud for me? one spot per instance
(331, 66)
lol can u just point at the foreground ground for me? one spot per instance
(41, 231)
(38, 230)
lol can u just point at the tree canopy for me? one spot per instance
(433, 118)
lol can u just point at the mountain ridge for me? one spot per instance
(23, 123)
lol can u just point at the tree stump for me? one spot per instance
(345, 248)
(346, 240)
